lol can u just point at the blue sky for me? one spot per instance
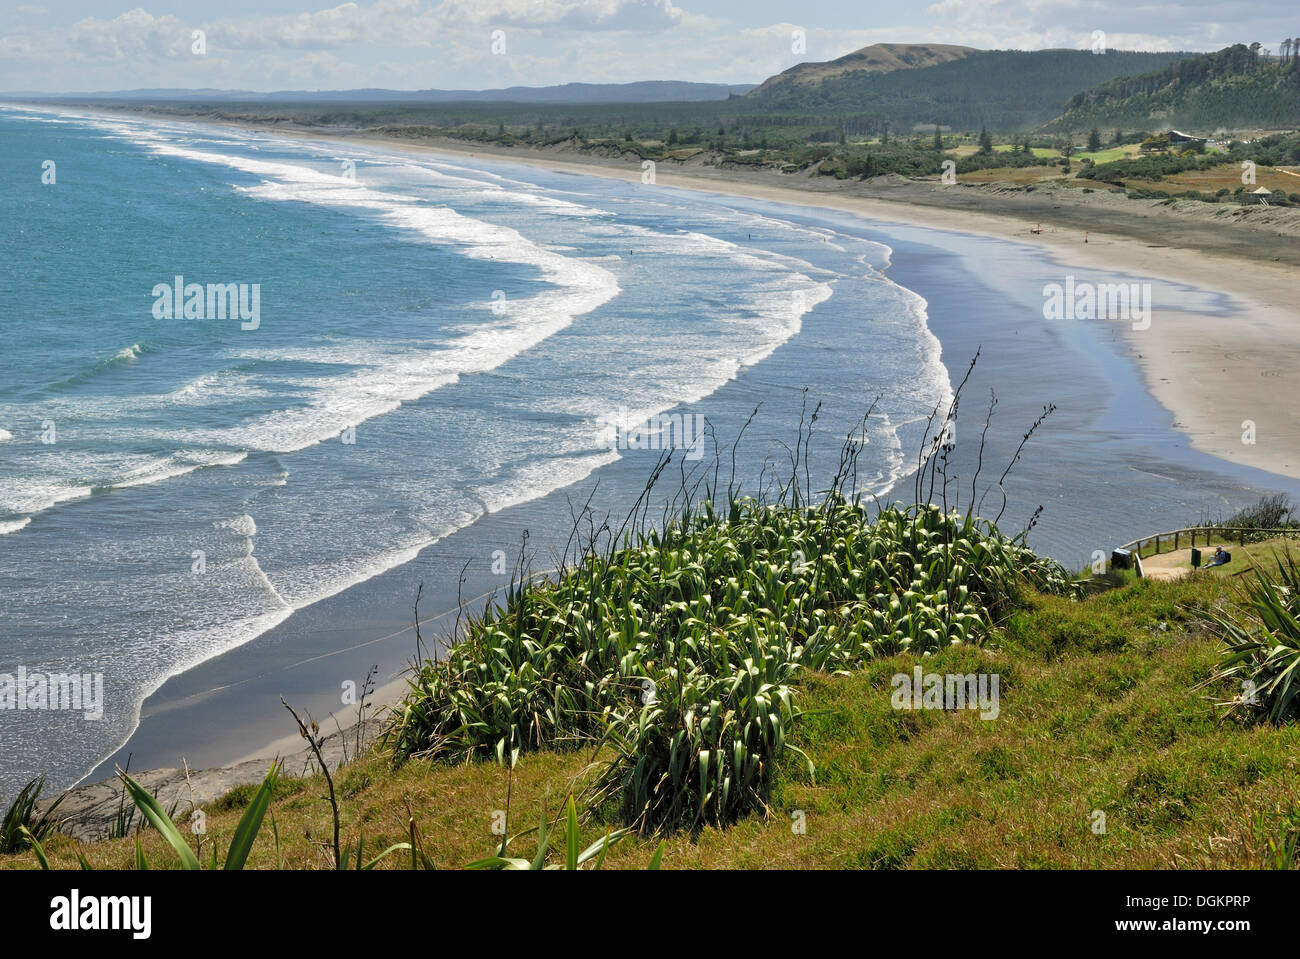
(71, 45)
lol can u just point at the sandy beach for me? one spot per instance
(1230, 376)
(1217, 372)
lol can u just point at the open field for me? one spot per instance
(1045, 152)
(1013, 176)
(1224, 177)
(1108, 155)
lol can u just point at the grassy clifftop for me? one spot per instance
(1103, 746)
(1099, 713)
(808, 681)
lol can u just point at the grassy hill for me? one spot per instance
(877, 58)
(1003, 90)
(1100, 712)
(735, 689)
(1232, 89)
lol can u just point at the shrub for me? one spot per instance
(682, 650)
(1262, 646)
(21, 819)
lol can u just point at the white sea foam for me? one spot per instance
(13, 525)
(177, 465)
(530, 195)
(24, 496)
(244, 525)
(512, 327)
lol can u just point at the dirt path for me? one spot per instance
(1172, 565)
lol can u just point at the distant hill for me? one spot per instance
(878, 58)
(645, 91)
(1003, 90)
(1232, 89)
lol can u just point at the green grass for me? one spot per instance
(239, 797)
(1037, 151)
(1100, 712)
(1103, 156)
(1254, 556)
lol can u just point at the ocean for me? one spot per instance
(403, 350)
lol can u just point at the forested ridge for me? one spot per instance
(1237, 87)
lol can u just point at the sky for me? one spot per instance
(62, 46)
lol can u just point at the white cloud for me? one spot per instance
(384, 22)
(1138, 25)
(409, 44)
(638, 15)
(134, 34)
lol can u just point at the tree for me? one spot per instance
(672, 137)
(938, 138)
(1119, 137)
(986, 141)
(884, 134)
(1094, 140)
(1156, 143)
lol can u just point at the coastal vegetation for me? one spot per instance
(678, 649)
(1262, 640)
(1105, 708)
(682, 652)
(720, 688)
(734, 135)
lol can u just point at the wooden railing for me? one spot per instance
(1207, 535)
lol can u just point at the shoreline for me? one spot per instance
(1238, 373)
(883, 212)
(1214, 378)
